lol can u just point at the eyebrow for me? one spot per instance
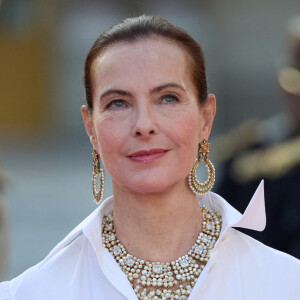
(115, 91)
(157, 89)
(167, 85)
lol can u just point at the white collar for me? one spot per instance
(253, 218)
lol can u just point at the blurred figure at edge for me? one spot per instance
(270, 150)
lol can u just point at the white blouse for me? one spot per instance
(79, 267)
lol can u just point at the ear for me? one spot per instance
(88, 123)
(208, 110)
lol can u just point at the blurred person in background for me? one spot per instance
(3, 230)
(270, 150)
(163, 234)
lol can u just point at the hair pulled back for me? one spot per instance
(137, 28)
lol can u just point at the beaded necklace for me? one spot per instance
(164, 280)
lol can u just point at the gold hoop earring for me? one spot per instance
(196, 186)
(97, 194)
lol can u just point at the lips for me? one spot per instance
(147, 155)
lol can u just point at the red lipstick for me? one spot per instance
(147, 155)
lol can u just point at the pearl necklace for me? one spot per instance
(164, 280)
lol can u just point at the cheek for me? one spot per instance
(187, 130)
(109, 137)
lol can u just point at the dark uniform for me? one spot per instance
(270, 150)
(259, 157)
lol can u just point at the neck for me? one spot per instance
(157, 227)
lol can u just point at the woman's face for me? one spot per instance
(146, 123)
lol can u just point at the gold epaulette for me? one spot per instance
(226, 146)
(272, 162)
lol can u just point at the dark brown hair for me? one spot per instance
(134, 29)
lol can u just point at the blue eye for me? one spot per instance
(169, 99)
(115, 104)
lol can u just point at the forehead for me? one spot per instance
(150, 46)
(149, 58)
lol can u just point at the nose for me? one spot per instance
(144, 123)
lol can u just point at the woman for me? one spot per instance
(148, 116)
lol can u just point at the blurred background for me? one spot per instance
(45, 156)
